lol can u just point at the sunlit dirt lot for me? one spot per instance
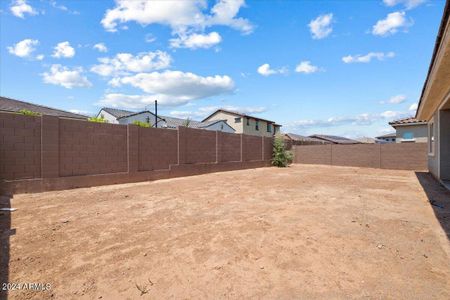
(300, 232)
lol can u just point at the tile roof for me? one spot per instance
(388, 135)
(13, 105)
(298, 137)
(118, 113)
(334, 139)
(239, 114)
(407, 121)
(171, 122)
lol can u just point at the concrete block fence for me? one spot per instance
(50, 153)
(398, 156)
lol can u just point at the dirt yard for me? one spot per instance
(301, 232)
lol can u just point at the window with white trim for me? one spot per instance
(431, 138)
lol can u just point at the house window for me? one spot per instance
(257, 125)
(431, 138)
(221, 127)
(237, 120)
(248, 121)
(147, 119)
(102, 116)
(408, 136)
(269, 127)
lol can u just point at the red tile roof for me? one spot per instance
(407, 121)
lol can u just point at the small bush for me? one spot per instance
(27, 112)
(141, 124)
(97, 120)
(187, 122)
(281, 157)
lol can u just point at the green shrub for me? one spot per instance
(97, 120)
(27, 112)
(187, 122)
(141, 124)
(281, 157)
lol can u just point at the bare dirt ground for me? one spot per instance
(301, 232)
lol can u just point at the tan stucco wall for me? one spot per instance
(438, 85)
(230, 120)
(242, 127)
(420, 133)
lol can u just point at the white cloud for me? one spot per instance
(63, 49)
(196, 40)
(101, 47)
(265, 70)
(181, 16)
(413, 107)
(320, 27)
(66, 77)
(391, 24)
(202, 112)
(123, 63)
(306, 67)
(409, 4)
(397, 99)
(40, 57)
(173, 88)
(367, 58)
(358, 120)
(150, 38)
(24, 48)
(20, 8)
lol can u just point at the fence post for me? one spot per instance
(133, 148)
(218, 146)
(182, 132)
(242, 148)
(49, 146)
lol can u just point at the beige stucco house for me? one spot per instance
(410, 130)
(434, 105)
(245, 124)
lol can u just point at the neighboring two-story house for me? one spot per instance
(245, 124)
(410, 130)
(120, 116)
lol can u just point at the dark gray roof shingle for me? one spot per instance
(13, 105)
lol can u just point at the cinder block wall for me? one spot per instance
(406, 156)
(47, 153)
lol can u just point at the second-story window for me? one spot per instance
(248, 121)
(257, 125)
(147, 119)
(237, 120)
(269, 127)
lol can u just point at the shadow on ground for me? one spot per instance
(439, 198)
(5, 233)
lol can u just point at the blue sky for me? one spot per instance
(331, 67)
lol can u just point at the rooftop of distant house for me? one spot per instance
(13, 105)
(407, 121)
(240, 114)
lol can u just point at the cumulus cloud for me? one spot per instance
(414, 107)
(306, 67)
(170, 88)
(66, 77)
(409, 4)
(395, 99)
(367, 58)
(204, 111)
(320, 27)
(266, 70)
(391, 24)
(20, 8)
(63, 49)
(100, 47)
(24, 48)
(124, 63)
(196, 40)
(181, 16)
(361, 119)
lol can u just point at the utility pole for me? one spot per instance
(156, 113)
